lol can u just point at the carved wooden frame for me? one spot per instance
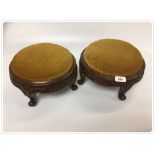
(106, 80)
(30, 88)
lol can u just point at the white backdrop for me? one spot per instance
(91, 107)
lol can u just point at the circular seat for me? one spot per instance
(42, 62)
(112, 62)
(113, 57)
(43, 67)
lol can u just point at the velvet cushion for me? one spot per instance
(42, 62)
(113, 57)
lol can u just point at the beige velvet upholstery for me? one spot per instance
(42, 62)
(113, 57)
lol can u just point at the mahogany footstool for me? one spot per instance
(112, 62)
(44, 68)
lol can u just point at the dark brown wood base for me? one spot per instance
(31, 88)
(106, 80)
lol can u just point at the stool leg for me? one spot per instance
(31, 96)
(73, 85)
(33, 99)
(123, 90)
(82, 75)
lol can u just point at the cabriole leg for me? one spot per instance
(123, 90)
(82, 75)
(33, 99)
(73, 85)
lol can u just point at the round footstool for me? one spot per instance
(112, 62)
(43, 67)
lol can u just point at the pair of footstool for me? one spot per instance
(47, 67)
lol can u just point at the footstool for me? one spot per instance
(44, 68)
(112, 62)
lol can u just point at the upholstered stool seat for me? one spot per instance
(112, 62)
(43, 67)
